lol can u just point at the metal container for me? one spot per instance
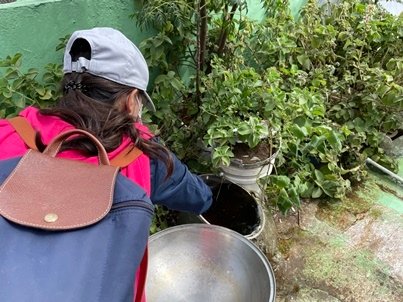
(248, 220)
(248, 174)
(207, 263)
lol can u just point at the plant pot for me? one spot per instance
(246, 175)
(233, 207)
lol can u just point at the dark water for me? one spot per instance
(233, 208)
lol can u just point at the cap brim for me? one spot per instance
(148, 102)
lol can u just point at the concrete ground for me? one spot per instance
(343, 251)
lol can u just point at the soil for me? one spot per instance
(233, 208)
(247, 155)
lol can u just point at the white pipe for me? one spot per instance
(383, 169)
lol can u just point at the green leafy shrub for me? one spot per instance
(19, 89)
(330, 82)
(348, 56)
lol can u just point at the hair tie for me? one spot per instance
(73, 85)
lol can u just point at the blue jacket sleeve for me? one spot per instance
(182, 191)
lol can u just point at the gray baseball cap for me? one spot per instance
(112, 56)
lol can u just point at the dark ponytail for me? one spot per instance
(95, 104)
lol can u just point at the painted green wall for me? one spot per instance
(256, 11)
(34, 27)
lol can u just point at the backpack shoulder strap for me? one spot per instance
(27, 134)
(126, 156)
(24, 130)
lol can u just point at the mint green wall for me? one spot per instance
(255, 8)
(295, 6)
(33, 27)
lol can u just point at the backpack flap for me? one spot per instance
(58, 194)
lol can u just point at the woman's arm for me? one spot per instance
(182, 191)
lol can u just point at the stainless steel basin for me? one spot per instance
(203, 263)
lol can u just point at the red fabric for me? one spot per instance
(11, 145)
(141, 276)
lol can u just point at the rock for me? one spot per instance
(382, 237)
(394, 147)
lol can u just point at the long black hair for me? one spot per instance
(98, 106)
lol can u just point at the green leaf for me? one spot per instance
(319, 176)
(333, 188)
(20, 102)
(3, 83)
(47, 96)
(281, 181)
(345, 130)
(40, 90)
(318, 110)
(221, 156)
(334, 140)
(299, 132)
(304, 61)
(317, 192)
(11, 74)
(316, 141)
(17, 60)
(244, 129)
(7, 93)
(294, 197)
(283, 201)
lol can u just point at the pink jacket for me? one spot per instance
(11, 144)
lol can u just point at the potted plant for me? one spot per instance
(241, 130)
(218, 100)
